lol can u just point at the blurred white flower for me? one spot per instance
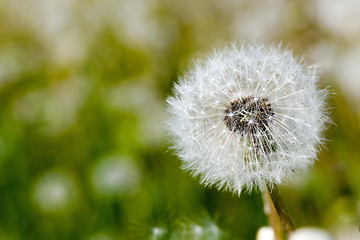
(247, 116)
(206, 230)
(326, 52)
(157, 233)
(311, 233)
(264, 19)
(347, 71)
(63, 103)
(339, 17)
(115, 175)
(265, 233)
(350, 231)
(133, 21)
(11, 64)
(341, 64)
(55, 192)
(125, 97)
(56, 25)
(57, 106)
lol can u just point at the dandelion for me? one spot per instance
(157, 233)
(55, 192)
(204, 229)
(311, 233)
(265, 233)
(115, 175)
(247, 117)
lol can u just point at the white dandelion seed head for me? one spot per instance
(157, 233)
(265, 233)
(247, 116)
(55, 192)
(311, 233)
(205, 229)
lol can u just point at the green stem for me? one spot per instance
(281, 210)
(273, 216)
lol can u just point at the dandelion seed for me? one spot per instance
(247, 116)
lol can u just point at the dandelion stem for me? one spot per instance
(273, 216)
(281, 210)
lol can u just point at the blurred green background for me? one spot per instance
(84, 152)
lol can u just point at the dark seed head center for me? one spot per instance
(248, 115)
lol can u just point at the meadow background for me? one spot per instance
(84, 152)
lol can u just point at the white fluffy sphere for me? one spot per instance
(247, 116)
(311, 233)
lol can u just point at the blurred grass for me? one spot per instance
(82, 81)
